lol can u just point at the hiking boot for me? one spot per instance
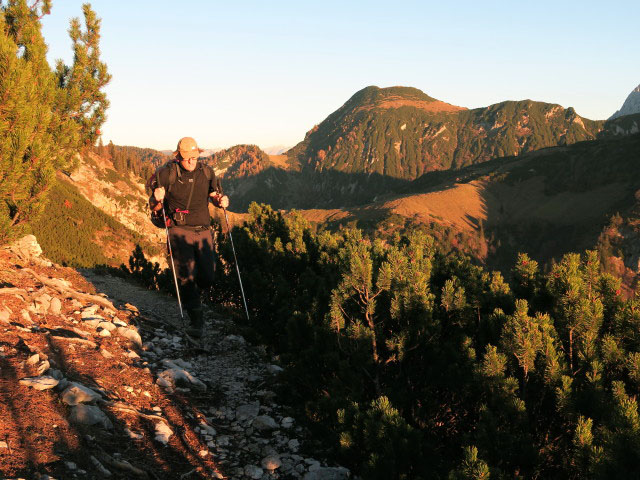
(196, 318)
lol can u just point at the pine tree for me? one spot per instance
(35, 139)
(85, 101)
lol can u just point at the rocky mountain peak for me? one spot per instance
(630, 106)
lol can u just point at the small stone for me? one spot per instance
(55, 307)
(119, 323)
(44, 382)
(203, 453)
(3, 444)
(77, 393)
(163, 433)
(43, 367)
(271, 462)
(294, 445)
(33, 359)
(106, 353)
(133, 435)
(247, 412)
(71, 465)
(133, 355)
(265, 422)
(107, 326)
(105, 333)
(224, 440)
(131, 335)
(5, 315)
(274, 369)
(287, 422)
(89, 415)
(253, 471)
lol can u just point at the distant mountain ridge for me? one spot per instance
(630, 106)
(402, 132)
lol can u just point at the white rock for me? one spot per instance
(33, 359)
(287, 422)
(274, 369)
(265, 422)
(106, 353)
(3, 444)
(89, 415)
(133, 435)
(271, 462)
(131, 335)
(55, 307)
(43, 367)
(77, 393)
(176, 377)
(248, 412)
(44, 382)
(208, 430)
(253, 471)
(105, 333)
(107, 326)
(119, 323)
(5, 315)
(294, 445)
(163, 433)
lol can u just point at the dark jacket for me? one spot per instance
(177, 194)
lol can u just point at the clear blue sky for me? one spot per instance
(265, 72)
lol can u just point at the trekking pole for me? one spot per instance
(244, 300)
(173, 267)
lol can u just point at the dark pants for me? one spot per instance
(193, 256)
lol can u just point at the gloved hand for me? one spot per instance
(158, 194)
(219, 200)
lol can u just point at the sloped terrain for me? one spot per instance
(106, 386)
(403, 133)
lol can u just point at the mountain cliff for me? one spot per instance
(630, 106)
(403, 133)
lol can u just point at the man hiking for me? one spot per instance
(185, 187)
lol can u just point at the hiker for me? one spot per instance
(186, 186)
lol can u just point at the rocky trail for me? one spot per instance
(97, 381)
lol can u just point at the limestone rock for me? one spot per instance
(163, 433)
(130, 334)
(28, 249)
(248, 412)
(271, 462)
(77, 393)
(45, 382)
(265, 422)
(55, 307)
(177, 377)
(253, 471)
(89, 415)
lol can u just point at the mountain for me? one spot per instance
(630, 106)
(276, 149)
(403, 133)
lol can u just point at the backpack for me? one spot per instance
(154, 181)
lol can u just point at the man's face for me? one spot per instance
(189, 164)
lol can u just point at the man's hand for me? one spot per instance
(158, 194)
(219, 200)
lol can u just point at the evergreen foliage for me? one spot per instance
(45, 116)
(421, 365)
(71, 231)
